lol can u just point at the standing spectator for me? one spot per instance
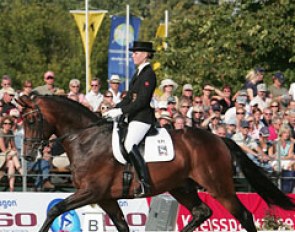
(6, 83)
(115, 82)
(260, 74)
(76, 95)
(6, 101)
(260, 99)
(49, 88)
(168, 88)
(94, 96)
(187, 91)
(178, 122)
(277, 91)
(251, 84)
(7, 146)
(27, 88)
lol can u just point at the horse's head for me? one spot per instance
(33, 122)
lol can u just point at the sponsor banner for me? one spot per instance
(26, 212)
(117, 47)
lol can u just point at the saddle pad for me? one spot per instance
(157, 147)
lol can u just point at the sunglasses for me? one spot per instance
(198, 102)
(240, 113)
(49, 78)
(105, 108)
(94, 85)
(268, 113)
(28, 86)
(75, 86)
(274, 106)
(108, 96)
(7, 123)
(184, 106)
(198, 112)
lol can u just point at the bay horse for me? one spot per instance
(201, 159)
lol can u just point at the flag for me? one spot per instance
(94, 22)
(117, 47)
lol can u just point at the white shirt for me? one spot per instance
(116, 97)
(292, 91)
(94, 99)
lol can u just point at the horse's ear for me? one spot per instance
(24, 101)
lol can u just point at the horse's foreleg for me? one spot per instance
(74, 201)
(112, 208)
(188, 197)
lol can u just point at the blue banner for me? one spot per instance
(117, 46)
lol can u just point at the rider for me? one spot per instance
(136, 105)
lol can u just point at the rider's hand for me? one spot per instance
(114, 113)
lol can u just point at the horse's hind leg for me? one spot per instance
(114, 211)
(239, 211)
(74, 201)
(188, 197)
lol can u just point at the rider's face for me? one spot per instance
(139, 57)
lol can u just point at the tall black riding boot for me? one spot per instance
(141, 170)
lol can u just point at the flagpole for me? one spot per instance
(127, 49)
(86, 46)
(166, 23)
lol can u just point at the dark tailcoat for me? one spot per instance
(137, 102)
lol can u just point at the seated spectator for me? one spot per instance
(27, 88)
(42, 169)
(267, 117)
(108, 96)
(248, 144)
(292, 91)
(6, 83)
(94, 96)
(274, 128)
(206, 97)
(165, 120)
(221, 130)
(187, 91)
(6, 101)
(231, 112)
(76, 95)
(211, 123)
(291, 123)
(178, 122)
(231, 128)
(275, 108)
(183, 108)
(282, 150)
(240, 117)
(172, 105)
(197, 116)
(7, 146)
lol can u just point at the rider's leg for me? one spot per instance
(136, 132)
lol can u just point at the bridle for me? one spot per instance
(38, 142)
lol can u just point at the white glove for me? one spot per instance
(114, 113)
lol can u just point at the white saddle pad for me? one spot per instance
(157, 148)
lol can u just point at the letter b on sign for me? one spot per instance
(93, 222)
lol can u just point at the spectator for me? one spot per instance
(183, 108)
(76, 95)
(165, 120)
(267, 117)
(292, 91)
(260, 99)
(197, 116)
(168, 88)
(103, 108)
(251, 84)
(260, 74)
(171, 105)
(94, 96)
(27, 88)
(7, 146)
(277, 91)
(187, 91)
(221, 130)
(206, 97)
(231, 112)
(283, 149)
(6, 101)
(240, 117)
(247, 143)
(115, 82)
(5, 84)
(224, 98)
(274, 128)
(42, 169)
(108, 96)
(275, 107)
(231, 128)
(49, 88)
(291, 123)
(179, 122)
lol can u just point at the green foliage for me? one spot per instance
(207, 42)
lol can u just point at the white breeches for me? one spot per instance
(136, 132)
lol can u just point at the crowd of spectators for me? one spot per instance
(259, 118)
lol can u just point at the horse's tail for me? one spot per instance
(257, 179)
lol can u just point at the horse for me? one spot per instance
(201, 159)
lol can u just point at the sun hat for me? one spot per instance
(166, 82)
(162, 104)
(187, 87)
(165, 115)
(48, 74)
(142, 46)
(14, 113)
(114, 79)
(9, 91)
